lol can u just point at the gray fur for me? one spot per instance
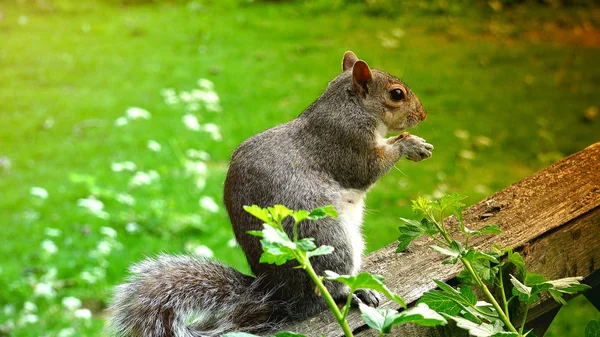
(331, 154)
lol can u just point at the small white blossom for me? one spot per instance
(49, 247)
(467, 154)
(213, 130)
(206, 84)
(123, 166)
(88, 277)
(213, 107)
(84, 314)
(144, 178)
(121, 121)
(201, 250)
(94, 206)
(44, 290)
(52, 232)
(23, 20)
(200, 183)
(483, 141)
(29, 307)
(197, 154)
(186, 96)
(71, 303)
(9, 309)
(191, 122)
(232, 243)
(108, 231)
(132, 227)
(461, 134)
(196, 167)
(126, 199)
(104, 248)
(67, 332)
(39, 192)
(137, 113)
(154, 146)
(28, 319)
(209, 204)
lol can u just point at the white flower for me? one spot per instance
(108, 231)
(67, 332)
(232, 243)
(206, 84)
(49, 247)
(53, 232)
(202, 250)
(123, 166)
(28, 319)
(483, 141)
(196, 167)
(461, 134)
(213, 130)
(121, 121)
(94, 206)
(29, 307)
(44, 290)
(126, 199)
(85, 314)
(39, 192)
(213, 107)
(197, 154)
(467, 154)
(209, 204)
(207, 97)
(170, 96)
(154, 146)
(191, 122)
(132, 227)
(93, 276)
(104, 248)
(200, 183)
(23, 20)
(9, 309)
(144, 178)
(185, 96)
(137, 113)
(71, 303)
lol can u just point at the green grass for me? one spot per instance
(68, 70)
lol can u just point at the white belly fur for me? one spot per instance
(350, 215)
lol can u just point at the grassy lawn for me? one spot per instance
(507, 93)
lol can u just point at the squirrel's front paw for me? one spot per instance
(415, 148)
(366, 296)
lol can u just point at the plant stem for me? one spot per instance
(489, 295)
(524, 319)
(341, 319)
(504, 301)
(347, 306)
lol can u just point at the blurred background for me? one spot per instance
(118, 117)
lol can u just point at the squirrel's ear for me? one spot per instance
(349, 59)
(361, 76)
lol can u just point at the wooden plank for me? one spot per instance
(528, 211)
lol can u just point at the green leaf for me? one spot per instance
(289, 334)
(365, 280)
(306, 244)
(239, 334)
(300, 215)
(280, 212)
(568, 285)
(323, 250)
(449, 300)
(454, 251)
(413, 229)
(475, 329)
(378, 319)
(593, 329)
(517, 260)
(420, 314)
(323, 212)
(277, 246)
(422, 205)
(450, 201)
(261, 213)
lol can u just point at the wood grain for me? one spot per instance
(552, 217)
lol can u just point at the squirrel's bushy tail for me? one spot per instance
(184, 296)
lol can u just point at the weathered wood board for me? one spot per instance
(552, 217)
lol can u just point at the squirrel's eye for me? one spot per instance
(397, 94)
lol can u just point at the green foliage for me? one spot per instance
(482, 269)
(593, 329)
(278, 248)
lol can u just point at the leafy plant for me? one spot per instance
(279, 248)
(486, 270)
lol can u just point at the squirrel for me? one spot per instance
(332, 153)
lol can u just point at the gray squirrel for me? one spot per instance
(331, 154)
